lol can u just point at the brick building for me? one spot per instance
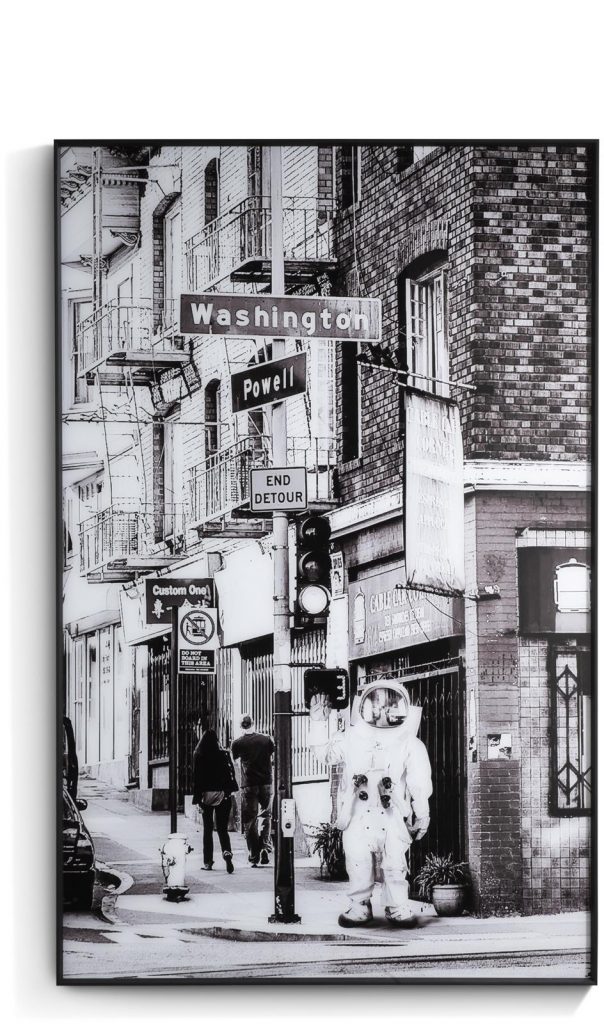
(481, 256)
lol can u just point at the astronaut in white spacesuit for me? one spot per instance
(383, 795)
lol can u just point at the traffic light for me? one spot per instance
(313, 571)
(331, 681)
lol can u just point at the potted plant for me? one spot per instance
(445, 882)
(328, 844)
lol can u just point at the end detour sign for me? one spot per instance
(197, 639)
(278, 490)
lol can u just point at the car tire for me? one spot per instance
(83, 895)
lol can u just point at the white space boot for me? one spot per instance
(400, 917)
(357, 915)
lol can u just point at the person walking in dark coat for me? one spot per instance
(255, 751)
(213, 783)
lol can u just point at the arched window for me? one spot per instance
(212, 417)
(423, 333)
(211, 186)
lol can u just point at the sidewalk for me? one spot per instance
(238, 906)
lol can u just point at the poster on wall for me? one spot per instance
(231, 312)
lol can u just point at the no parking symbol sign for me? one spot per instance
(197, 639)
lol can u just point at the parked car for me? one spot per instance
(78, 855)
(70, 759)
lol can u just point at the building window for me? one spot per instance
(211, 180)
(212, 417)
(254, 170)
(82, 391)
(351, 175)
(425, 342)
(351, 403)
(571, 700)
(172, 267)
(404, 157)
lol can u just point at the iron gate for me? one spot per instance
(257, 696)
(437, 688)
(135, 737)
(201, 698)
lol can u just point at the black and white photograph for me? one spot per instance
(325, 452)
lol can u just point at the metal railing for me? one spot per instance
(117, 534)
(318, 455)
(244, 233)
(220, 484)
(126, 327)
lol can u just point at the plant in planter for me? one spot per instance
(328, 844)
(445, 882)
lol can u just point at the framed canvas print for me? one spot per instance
(325, 708)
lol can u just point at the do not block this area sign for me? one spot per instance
(197, 639)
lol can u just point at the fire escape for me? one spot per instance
(125, 344)
(234, 252)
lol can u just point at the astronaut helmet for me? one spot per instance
(384, 705)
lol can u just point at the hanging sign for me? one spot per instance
(434, 510)
(163, 593)
(265, 383)
(197, 639)
(383, 615)
(339, 317)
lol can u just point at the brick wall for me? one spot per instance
(522, 858)
(518, 263)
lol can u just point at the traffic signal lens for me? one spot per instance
(314, 566)
(313, 599)
(315, 530)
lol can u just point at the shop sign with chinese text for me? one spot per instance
(385, 616)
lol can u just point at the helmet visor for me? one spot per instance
(384, 707)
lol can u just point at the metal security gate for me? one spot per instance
(440, 694)
(200, 698)
(135, 737)
(257, 696)
(437, 687)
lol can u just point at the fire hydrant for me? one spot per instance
(173, 861)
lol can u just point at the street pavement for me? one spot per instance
(222, 931)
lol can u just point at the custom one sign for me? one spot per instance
(292, 316)
(162, 593)
(266, 383)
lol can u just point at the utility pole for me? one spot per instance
(285, 910)
(173, 763)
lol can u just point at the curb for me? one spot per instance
(217, 931)
(108, 877)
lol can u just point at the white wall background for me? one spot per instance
(93, 70)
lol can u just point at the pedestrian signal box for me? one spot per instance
(331, 681)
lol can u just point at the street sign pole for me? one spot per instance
(173, 764)
(285, 910)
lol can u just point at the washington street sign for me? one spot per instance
(340, 317)
(265, 383)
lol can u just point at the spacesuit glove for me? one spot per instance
(420, 827)
(320, 707)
